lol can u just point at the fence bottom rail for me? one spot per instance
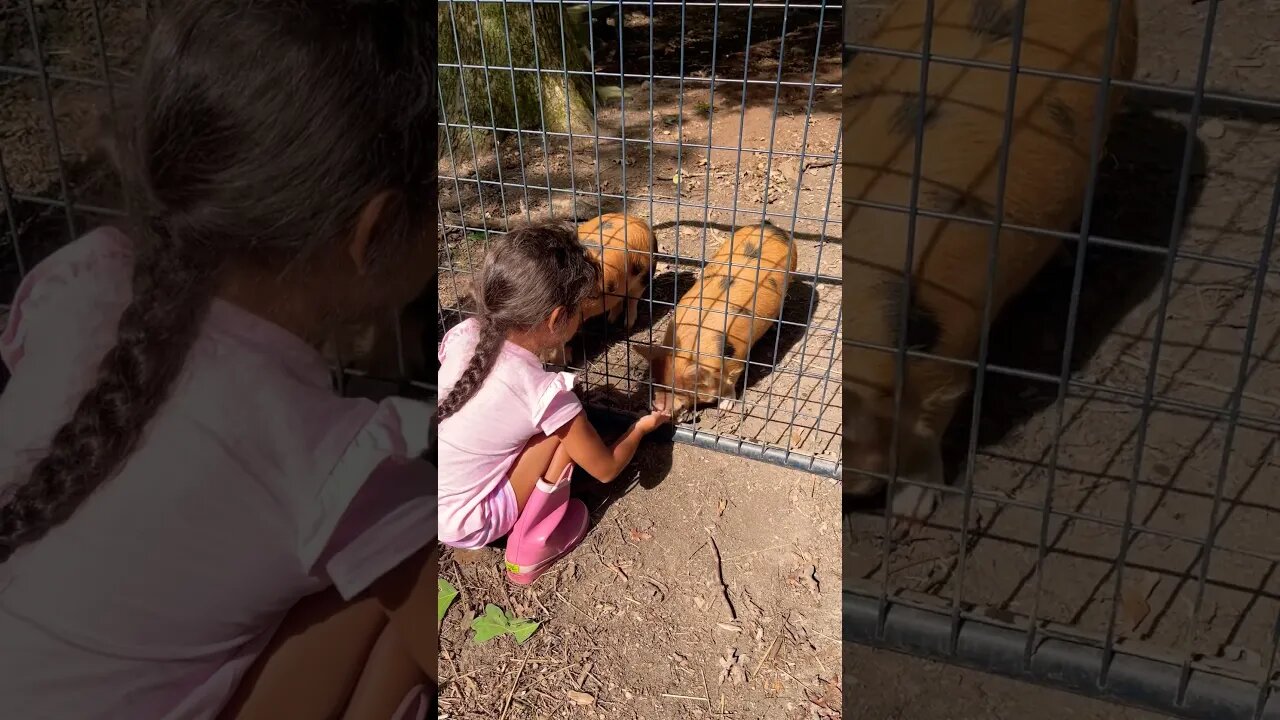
(1057, 663)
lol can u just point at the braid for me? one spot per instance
(482, 362)
(171, 294)
(526, 276)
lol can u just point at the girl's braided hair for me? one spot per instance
(261, 130)
(526, 275)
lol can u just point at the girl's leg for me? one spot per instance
(544, 457)
(549, 523)
(389, 675)
(331, 656)
(313, 662)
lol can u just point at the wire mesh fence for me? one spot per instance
(698, 119)
(63, 66)
(1105, 501)
(60, 67)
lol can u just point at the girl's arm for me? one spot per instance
(605, 462)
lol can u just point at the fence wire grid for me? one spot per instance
(62, 66)
(697, 117)
(1108, 521)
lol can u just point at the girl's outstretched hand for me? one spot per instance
(653, 421)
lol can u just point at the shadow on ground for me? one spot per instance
(1135, 200)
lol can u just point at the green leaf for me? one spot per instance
(496, 622)
(447, 594)
(496, 614)
(522, 629)
(490, 625)
(485, 631)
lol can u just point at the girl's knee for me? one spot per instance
(560, 462)
(538, 455)
(534, 464)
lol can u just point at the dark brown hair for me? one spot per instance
(526, 275)
(260, 131)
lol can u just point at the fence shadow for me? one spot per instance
(650, 467)
(691, 41)
(598, 334)
(1135, 201)
(798, 309)
(752, 216)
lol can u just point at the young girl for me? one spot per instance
(510, 432)
(192, 523)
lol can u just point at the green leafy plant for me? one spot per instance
(496, 622)
(447, 594)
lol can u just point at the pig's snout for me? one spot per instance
(660, 402)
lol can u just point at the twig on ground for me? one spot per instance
(802, 683)
(695, 552)
(687, 697)
(724, 586)
(507, 703)
(741, 556)
(923, 561)
(582, 676)
(769, 652)
(566, 601)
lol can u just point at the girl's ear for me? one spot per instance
(358, 249)
(557, 317)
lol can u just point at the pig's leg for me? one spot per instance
(633, 311)
(914, 502)
(634, 292)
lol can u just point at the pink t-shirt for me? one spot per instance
(480, 443)
(254, 486)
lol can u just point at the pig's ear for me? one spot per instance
(689, 374)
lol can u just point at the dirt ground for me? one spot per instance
(888, 686)
(1157, 608)
(636, 625)
(635, 622)
(694, 198)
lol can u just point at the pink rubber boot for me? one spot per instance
(551, 525)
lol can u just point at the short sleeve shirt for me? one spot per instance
(253, 486)
(480, 443)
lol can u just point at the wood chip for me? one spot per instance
(1133, 600)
